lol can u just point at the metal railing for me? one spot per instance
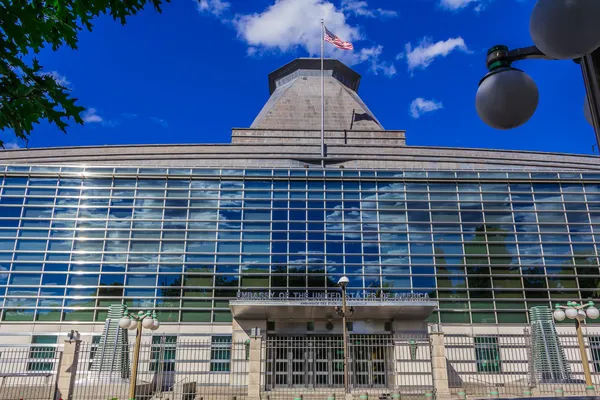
(378, 365)
(309, 365)
(505, 366)
(29, 372)
(185, 370)
(482, 364)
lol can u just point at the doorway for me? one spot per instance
(317, 361)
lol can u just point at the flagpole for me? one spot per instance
(322, 94)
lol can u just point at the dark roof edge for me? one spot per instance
(315, 64)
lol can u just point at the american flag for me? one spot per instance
(336, 41)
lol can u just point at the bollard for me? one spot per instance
(428, 395)
(494, 394)
(331, 396)
(559, 392)
(364, 396)
(396, 396)
(462, 394)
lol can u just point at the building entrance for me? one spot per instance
(317, 361)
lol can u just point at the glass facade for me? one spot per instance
(485, 245)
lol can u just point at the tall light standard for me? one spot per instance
(561, 30)
(344, 312)
(131, 321)
(579, 312)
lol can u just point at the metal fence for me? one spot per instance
(307, 365)
(29, 373)
(481, 364)
(313, 365)
(182, 370)
(508, 365)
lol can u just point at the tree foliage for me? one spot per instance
(27, 94)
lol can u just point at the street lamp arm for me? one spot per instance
(500, 56)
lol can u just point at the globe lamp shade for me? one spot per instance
(124, 322)
(559, 315)
(566, 29)
(147, 323)
(592, 312)
(343, 281)
(571, 313)
(155, 324)
(581, 315)
(506, 98)
(132, 325)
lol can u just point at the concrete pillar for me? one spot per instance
(67, 370)
(439, 367)
(254, 370)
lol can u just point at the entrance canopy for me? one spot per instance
(315, 309)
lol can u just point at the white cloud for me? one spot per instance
(12, 146)
(424, 54)
(160, 121)
(288, 24)
(360, 8)
(214, 7)
(373, 56)
(420, 106)
(455, 5)
(479, 8)
(90, 116)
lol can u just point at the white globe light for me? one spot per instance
(559, 315)
(132, 325)
(566, 29)
(147, 322)
(124, 322)
(592, 313)
(571, 313)
(581, 315)
(155, 324)
(506, 98)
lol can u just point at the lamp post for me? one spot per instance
(579, 312)
(345, 312)
(561, 30)
(131, 321)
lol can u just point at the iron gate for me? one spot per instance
(317, 361)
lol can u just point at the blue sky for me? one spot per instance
(192, 73)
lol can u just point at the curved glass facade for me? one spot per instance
(486, 245)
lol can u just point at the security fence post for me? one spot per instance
(439, 366)
(67, 370)
(254, 367)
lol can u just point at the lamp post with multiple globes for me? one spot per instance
(143, 320)
(560, 30)
(578, 313)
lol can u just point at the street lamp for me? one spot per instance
(560, 29)
(579, 312)
(131, 321)
(345, 312)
